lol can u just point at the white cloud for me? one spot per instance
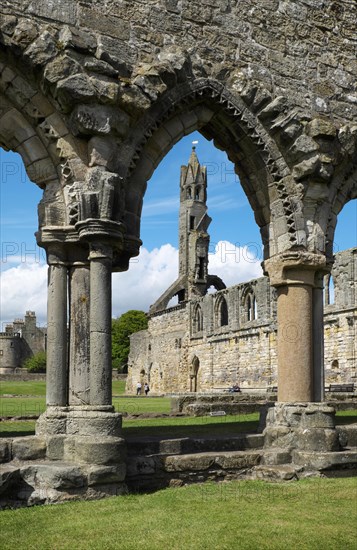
(24, 287)
(148, 277)
(235, 264)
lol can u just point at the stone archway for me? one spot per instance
(208, 107)
(106, 95)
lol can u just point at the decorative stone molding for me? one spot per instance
(294, 267)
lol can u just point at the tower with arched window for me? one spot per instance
(193, 279)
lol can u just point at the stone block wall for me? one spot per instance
(243, 351)
(21, 340)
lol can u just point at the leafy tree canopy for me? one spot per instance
(36, 363)
(122, 327)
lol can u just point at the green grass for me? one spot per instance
(38, 387)
(25, 406)
(141, 405)
(311, 514)
(22, 406)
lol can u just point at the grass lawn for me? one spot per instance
(22, 406)
(38, 388)
(22, 387)
(25, 406)
(313, 514)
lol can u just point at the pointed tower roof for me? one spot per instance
(193, 162)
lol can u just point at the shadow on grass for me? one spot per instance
(23, 433)
(174, 427)
(17, 429)
(205, 429)
(343, 420)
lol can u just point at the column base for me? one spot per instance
(301, 426)
(82, 434)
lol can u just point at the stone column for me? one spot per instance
(100, 324)
(295, 380)
(79, 295)
(318, 338)
(293, 274)
(57, 364)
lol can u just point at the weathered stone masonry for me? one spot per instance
(21, 340)
(94, 94)
(244, 351)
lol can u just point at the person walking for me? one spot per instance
(146, 388)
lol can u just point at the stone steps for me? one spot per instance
(184, 445)
(155, 462)
(149, 472)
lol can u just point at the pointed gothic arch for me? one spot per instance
(249, 305)
(221, 311)
(197, 319)
(206, 106)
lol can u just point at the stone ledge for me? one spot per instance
(47, 482)
(281, 472)
(327, 460)
(28, 448)
(205, 461)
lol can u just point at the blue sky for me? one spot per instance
(233, 225)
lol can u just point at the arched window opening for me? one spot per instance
(251, 309)
(329, 290)
(255, 308)
(211, 290)
(197, 320)
(334, 364)
(174, 301)
(192, 222)
(197, 193)
(181, 295)
(221, 312)
(189, 193)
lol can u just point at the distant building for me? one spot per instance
(21, 339)
(213, 341)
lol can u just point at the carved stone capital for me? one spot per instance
(294, 267)
(56, 254)
(95, 230)
(100, 251)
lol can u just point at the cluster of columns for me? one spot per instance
(299, 284)
(79, 326)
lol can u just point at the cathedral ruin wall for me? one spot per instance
(243, 351)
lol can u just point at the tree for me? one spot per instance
(36, 363)
(128, 323)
